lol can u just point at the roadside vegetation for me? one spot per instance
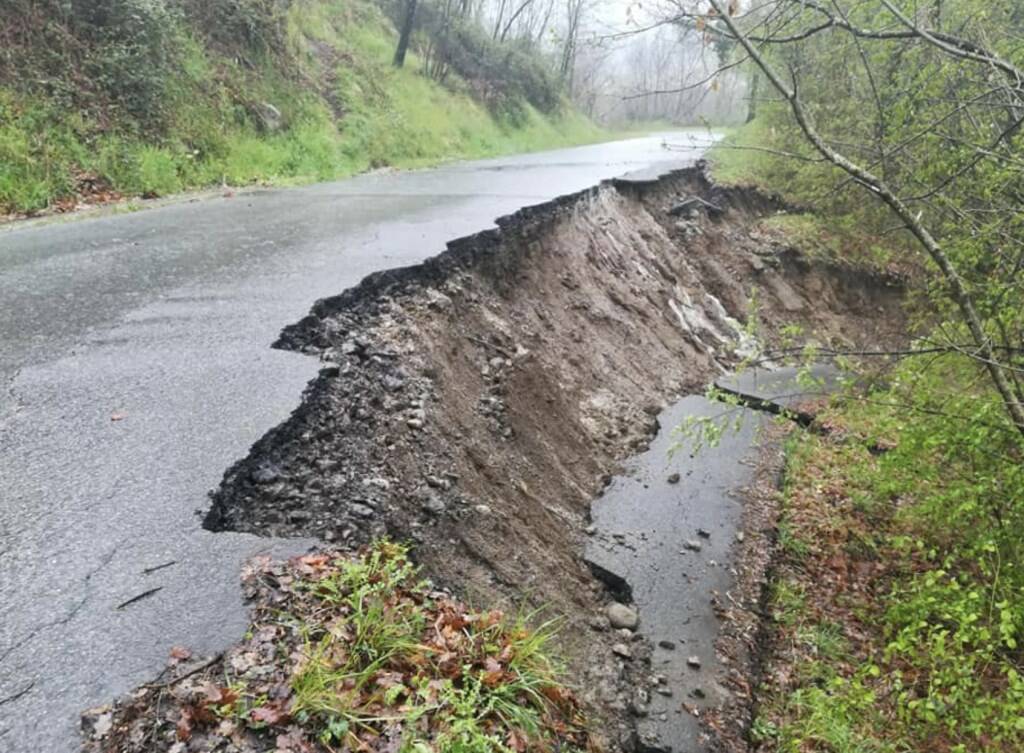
(898, 604)
(149, 98)
(748, 156)
(358, 654)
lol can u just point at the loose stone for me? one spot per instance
(621, 616)
(621, 649)
(433, 504)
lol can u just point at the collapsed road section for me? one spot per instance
(672, 534)
(476, 405)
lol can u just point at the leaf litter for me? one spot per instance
(354, 654)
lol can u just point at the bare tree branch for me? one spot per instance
(881, 189)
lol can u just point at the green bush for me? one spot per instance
(238, 25)
(504, 75)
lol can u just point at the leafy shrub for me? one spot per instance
(239, 25)
(157, 172)
(503, 75)
(929, 653)
(111, 59)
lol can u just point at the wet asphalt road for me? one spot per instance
(163, 319)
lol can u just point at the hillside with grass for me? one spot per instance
(147, 98)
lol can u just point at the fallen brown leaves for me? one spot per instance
(347, 655)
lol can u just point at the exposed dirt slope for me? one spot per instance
(478, 402)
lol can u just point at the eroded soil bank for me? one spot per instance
(478, 403)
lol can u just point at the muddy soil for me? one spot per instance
(476, 404)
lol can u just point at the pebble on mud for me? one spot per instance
(693, 662)
(621, 649)
(433, 504)
(693, 546)
(621, 616)
(673, 479)
(266, 474)
(667, 645)
(599, 624)
(638, 706)
(361, 509)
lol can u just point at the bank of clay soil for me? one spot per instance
(476, 404)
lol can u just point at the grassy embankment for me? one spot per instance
(344, 110)
(897, 604)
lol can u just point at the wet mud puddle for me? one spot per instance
(662, 537)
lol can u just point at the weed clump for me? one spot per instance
(357, 655)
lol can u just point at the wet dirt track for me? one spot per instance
(162, 320)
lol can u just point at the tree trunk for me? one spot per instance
(755, 80)
(406, 32)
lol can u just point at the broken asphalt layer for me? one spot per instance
(664, 535)
(162, 320)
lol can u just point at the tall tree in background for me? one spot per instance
(574, 16)
(405, 33)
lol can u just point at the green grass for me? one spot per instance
(340, 54)
(899, 618)
(735, 159)
(384, 656)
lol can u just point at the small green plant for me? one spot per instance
(374, 655)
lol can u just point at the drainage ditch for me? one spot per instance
(500, 405)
